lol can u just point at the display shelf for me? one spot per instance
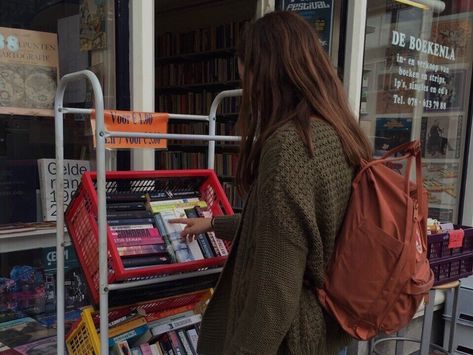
(42, 238)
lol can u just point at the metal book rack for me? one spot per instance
(100, 135)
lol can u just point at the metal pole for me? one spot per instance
(171, 136)
(59, 137)
(213, 120)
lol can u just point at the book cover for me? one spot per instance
(193, 245)
(155, 349)
(23, 331)
(121, 348)
(145, 349)
(154, 316)
(166, 345)
(391, 132)
(441, 137)
(45, 346)
(157, 206)
(73, 170)
(173, 231)
(131, 227)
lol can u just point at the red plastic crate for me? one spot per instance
(452, 268)
(81, 221)
(438, 245)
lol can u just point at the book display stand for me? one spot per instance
(101, 134)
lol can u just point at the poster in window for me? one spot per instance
(28, 72)
(92, 25)
(455, 34)
(318, 13)
(441, 137)
(391, 132)
(441, 181)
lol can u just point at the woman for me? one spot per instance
(300, 147)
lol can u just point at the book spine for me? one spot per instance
(185, 343)
(176, 344)
(128, 214)
(178, 324)
(201, 238)
(139, 261)
(126, 197)
(193, 338)
(133, 242)
(162, 230)
(142, 250)
(125, 207)
(166, 345)
(130, 221)
(131, 227)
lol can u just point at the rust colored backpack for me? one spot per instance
(379, 273)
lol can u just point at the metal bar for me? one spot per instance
(213, 121)
(86, 111)
(427, 324)
(59, 140)
(400, 344)
(175, 116)
(131, 284)
(454, 320)
(171, 136)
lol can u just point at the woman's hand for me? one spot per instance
(193, 226)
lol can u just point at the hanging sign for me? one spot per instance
(318, 13)
(139, 122)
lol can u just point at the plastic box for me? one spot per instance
(83, 337)
(81, 220)
(438, 245)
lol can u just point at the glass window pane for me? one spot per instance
(416, 85)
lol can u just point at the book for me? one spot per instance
(129, 335)
(177, 324)
(155, 349)
(154, 316)
(130, 221)
(132, 315)
(126, 206)
(193, 245)
(121, 348)
(131, 227)
(126, 326)
(193, 338)
(185, 343)
(23, 331)
(136, 351)
(143, 250)
(73, 170)
(162, 231)
(140, 261)
(217, 244)
(173, 232)
(166, 345)
(128, 214)
(46, 346)
(176, 344)
(157, 206)
(171, 318)
(201, 238)
(125, 197)
(145, 349)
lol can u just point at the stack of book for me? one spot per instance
(173, 331)
(142, 232)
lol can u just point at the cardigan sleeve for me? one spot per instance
(225, 226)
(281, 248)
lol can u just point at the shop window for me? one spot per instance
(416, 85)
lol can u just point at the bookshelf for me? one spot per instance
(195, 59)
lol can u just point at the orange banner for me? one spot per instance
(126, 121)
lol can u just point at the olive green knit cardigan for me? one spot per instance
(286, 233)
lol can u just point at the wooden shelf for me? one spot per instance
(196, 56)
(216, 86)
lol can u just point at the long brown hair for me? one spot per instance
(289, 77)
